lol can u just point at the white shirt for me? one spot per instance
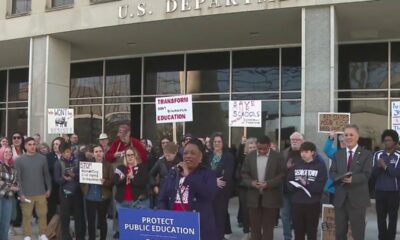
(262, 161)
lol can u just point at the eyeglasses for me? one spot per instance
(130, 155)
(166, 142)
(17, 137)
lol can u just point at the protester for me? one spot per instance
(74, 140)
(52, 158)
(263, 173)
(37, 138)
(3, 142)
(291, 156)
(131, 179)
(18, 144)
(8, 187)
(104, 142)
(192, 187)
(164, 164)
(222, 163)
(43, 148)
(163, 142)
(312, 175)
(247, 146)
(185, 139)
(35, 187)
(330, 149)
(351, 168)
(151, 154)
(386, 175)
(98, 197)
(66, 174)
(124, 140)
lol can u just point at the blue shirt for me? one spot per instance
(387, 179)
(94, 193)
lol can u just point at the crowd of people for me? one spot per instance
(199, 174)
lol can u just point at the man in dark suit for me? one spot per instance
(263, 172)
(352, 194)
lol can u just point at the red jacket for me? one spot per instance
(118, 146)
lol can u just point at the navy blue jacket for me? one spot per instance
(202, 190)
(315, 174)
(387, 180)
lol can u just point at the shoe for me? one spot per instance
(43, 237)
(116, 235)
(27, 238)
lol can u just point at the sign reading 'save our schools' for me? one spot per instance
(148, 224)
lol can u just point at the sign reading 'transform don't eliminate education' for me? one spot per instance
(174, 109)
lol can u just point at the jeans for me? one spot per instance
(5, 217)
(145, 203)
(286, 215)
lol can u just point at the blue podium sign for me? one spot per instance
(147, 224)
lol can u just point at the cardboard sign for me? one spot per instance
(245, 114)
(90, 172)
(336, 122)
(396, 116)
(328, 227)
(147, 224)
(60, 121)
(174, 109)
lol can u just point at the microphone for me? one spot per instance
(179, 168)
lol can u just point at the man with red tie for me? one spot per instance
(351, 169)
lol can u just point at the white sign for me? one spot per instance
(396, 116)
(90, 172)
(329, 121)
(174, 109)
(245, 113)
(60, 120)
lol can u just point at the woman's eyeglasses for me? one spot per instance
(130, 155)
(17, 137)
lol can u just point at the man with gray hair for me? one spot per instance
(351, 168)
(291, 155)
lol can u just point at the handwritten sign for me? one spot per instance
(174, 109)
(336, 122)
(90, 172)
(60, 121)
(328, 227)
(245, 114)
(396, 116)
(147, 224)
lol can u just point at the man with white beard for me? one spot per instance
(291, 155)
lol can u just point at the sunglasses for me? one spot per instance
(17, 137)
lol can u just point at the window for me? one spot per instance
(61, 3)
(20, 6)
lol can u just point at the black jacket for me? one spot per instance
(138, 183)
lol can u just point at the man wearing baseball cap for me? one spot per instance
(104, 142)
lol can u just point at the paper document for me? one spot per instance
(298, 185)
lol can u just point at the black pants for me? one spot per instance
(387, 204)
(305, 220)
(72, 205)
(244, 210)
(99, 209)
(52, 203)
(220, 206)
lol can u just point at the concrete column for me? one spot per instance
(319, 68)
(49, 78)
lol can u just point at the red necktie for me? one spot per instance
(350, 160)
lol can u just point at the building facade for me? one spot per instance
(109, 60)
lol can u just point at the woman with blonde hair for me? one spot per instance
(131, 180)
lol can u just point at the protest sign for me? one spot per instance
(396, 116)
(147, 224)
(245, 113)
(335, 122)
(60, 121)
(90, 172)
(328, 227)
(174, 109)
